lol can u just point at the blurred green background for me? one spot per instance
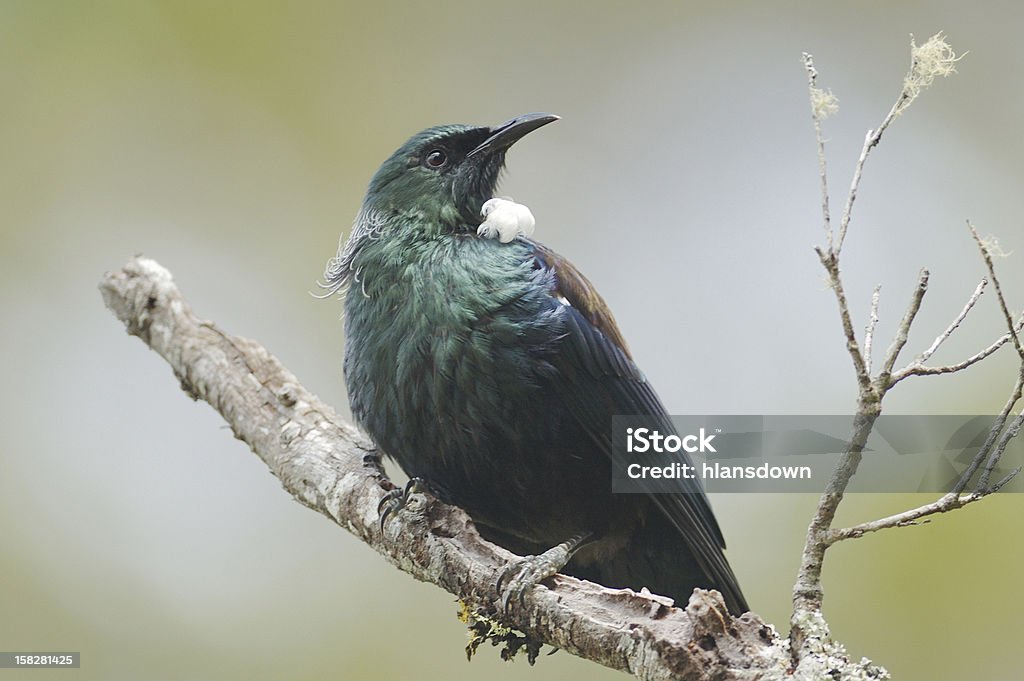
(232, 141)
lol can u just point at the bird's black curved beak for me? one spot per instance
(508, 133)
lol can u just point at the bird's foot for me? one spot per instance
(395, 499)
(520, 575)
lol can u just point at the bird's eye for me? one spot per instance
(436, 159)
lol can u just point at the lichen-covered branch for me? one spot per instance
(986, 247)
(329, 467)
(930, 60)
(933, 59)
(822, 104)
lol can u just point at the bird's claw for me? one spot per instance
(519, 575)
(526, 572)
(394, 500)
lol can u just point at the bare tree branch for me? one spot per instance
(916, 369)
(871, 139)
(986, 255)
(807, 592)
(947, 502)
(869, 330)
(903, 330)
(1015, 396)
(954, 499)
(932, 59)
(329, 467)
(830, 261)
(993, 458)
(996, 453)
(819, 109)
(941, 338)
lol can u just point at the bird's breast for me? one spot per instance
(444, 342)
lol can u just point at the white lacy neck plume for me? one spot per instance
(505, 219)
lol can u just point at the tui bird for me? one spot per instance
(490, 370)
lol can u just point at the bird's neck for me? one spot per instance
(400, 258)
(385, 243)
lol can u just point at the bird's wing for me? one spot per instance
(600, 379)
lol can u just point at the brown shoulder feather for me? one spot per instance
(581, 294)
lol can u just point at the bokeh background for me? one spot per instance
(232, 141)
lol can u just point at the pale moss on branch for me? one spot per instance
(932, 59)
(991, 244)
(823, 103)
(825, 658)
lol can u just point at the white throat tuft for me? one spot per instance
(504, 219)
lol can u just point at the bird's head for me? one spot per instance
(443, 175)
(436, 182)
